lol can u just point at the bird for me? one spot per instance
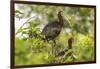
(62, 53)
(53, 28)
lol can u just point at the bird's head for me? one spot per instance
(60, 13)
(62, 18)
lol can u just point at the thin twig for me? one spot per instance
(24, 24)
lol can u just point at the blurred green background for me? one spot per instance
(31, 19)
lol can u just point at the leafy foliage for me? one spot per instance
(31, 49)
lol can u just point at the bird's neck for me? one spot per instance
(61, 21)
(70, 46)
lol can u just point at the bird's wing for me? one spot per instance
(51, 29)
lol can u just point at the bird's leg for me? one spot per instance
(53, 48)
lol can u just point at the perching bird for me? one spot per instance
(53, 29)
(62, 53)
